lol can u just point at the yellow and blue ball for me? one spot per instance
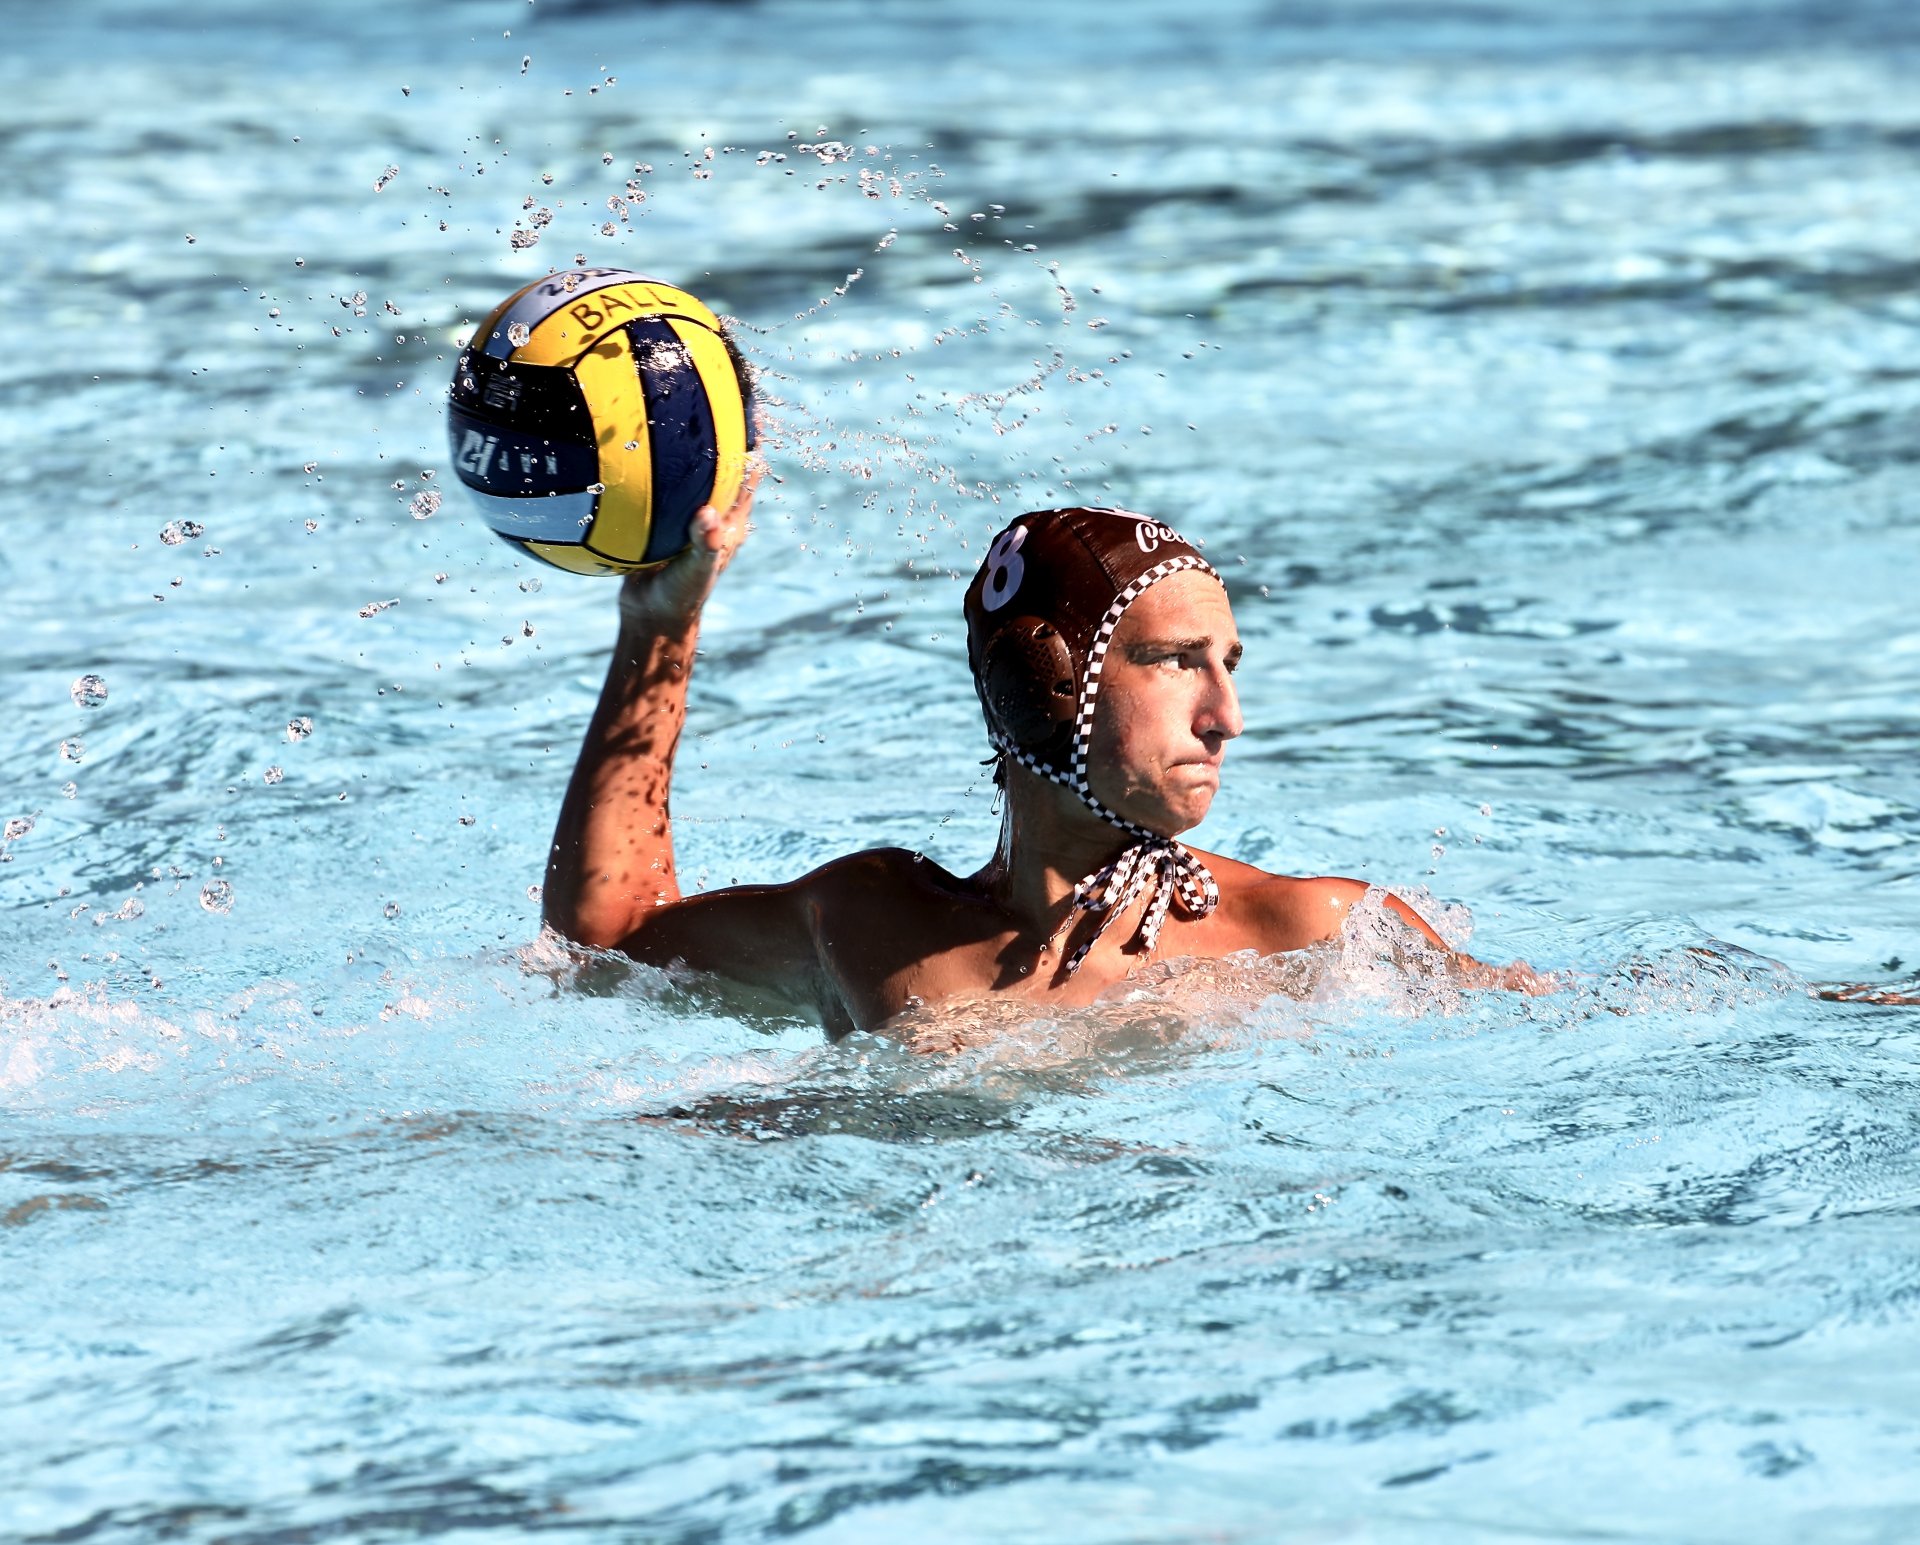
(592, 415)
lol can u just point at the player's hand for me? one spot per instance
(1515, 976)
(671, 597)
(1864, 992)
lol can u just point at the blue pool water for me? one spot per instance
(1545, 386)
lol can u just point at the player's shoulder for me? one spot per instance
(878, 878)
(873, 864)
(1293, 911)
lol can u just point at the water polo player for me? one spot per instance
(1103, 648)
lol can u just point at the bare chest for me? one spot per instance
(916, 959)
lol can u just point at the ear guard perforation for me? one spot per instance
(1027, 680)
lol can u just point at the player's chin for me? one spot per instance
(1182, 807)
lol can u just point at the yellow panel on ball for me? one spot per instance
(610, 377)
(579, 560)
(578, 323)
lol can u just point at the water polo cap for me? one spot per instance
(1041, 613)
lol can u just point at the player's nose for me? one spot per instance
(1220, 707)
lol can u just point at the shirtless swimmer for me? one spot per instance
(1103, 648)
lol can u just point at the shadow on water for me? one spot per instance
(925, 1117)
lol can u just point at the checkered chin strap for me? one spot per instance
(1152, 865)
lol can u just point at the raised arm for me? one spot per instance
(610, 878)
(612, 854)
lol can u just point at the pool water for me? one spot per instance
(1544, 385)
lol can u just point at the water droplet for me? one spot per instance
(375, 608)
(312, 526)
(89, 691)
(217, 896)
(518, 333)
(299, 729)
(424, 503)
(526, 629)
(531, 583)
(596, 488)
(73, 749)
(533, 893)
(468, 820)
(380, 183)
(521, 240)
(1486, 809)
(174, 532)
(18, 827)
(390, 911)
(310, 467)
(273, 775)
(70, 788)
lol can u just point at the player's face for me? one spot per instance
(1167, 705)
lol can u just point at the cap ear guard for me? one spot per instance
(1027, 680)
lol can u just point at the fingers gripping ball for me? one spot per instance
(592, 415)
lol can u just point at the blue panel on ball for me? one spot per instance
(497, 459)
(679, 432)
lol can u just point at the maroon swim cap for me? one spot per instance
(1040, 615)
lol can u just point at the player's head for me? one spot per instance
(1042, 617)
